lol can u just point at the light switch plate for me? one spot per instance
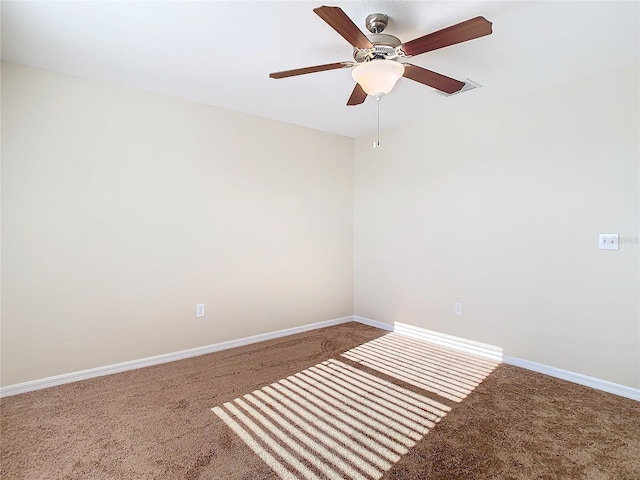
(608, 241)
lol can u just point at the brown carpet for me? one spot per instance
(172, 421)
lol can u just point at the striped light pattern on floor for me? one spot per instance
(446, 372)
(331, 421)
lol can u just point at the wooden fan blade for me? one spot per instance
(436, 80)
(357, 96)
(342, 24)
(462, 32)
(303, 71)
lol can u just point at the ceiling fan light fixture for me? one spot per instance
(378, 77)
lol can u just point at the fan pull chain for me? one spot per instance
(376, 140)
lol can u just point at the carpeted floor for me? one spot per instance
(296, 407)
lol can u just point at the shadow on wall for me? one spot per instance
(335, 420)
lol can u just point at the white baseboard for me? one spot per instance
(373, 323)
(456, 343)
(158, 359)
(450, 341)
(587, 381)
(495, 353)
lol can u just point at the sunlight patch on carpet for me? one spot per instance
(446, 372)
(331, 421)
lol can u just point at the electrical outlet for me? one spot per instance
(200, 310)
(457, 308)
(608, 241)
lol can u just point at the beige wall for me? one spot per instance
(122, 209)
(500, 208)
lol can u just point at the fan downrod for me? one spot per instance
(383, 46)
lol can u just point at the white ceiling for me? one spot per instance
(221, 53)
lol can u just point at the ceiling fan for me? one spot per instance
(378, 56)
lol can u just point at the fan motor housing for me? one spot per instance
(384, 47)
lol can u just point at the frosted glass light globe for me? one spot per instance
(378, 77)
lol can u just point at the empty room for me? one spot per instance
(285, 240)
